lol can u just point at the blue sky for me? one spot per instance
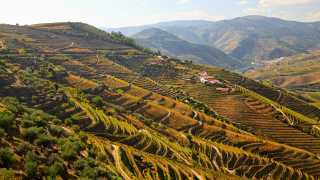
(117, 13)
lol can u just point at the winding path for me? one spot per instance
(117, 159)
(166, 117)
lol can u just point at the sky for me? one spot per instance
(119, 13)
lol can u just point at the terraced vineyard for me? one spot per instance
(262, 119)
(88, 115)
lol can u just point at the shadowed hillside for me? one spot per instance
(171, 45)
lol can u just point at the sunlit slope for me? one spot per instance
(299, 73)
(291, 72)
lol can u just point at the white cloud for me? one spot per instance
(243, 2)
(196, 14)
(183, 1)
(313, 16)
(269, 3)
(279, 8)
(255, 11)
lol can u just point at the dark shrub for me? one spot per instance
(31, 168)
(40, 118)
(2, 133)
(89, 172)
(55, 169)
(7, 157)
(98, 101)
(6, 119)
(23, 148)
(80, 164)
(76, 128)
(7, 173)
(56, 121)
(27, 123)
(70, 150)
(148, 122)
(32, 133)
(189, 136)
(68, 122)
(12, 104)
(56, 130)
(45, 140)
(31, 164)
(83, 136)
(54, 158)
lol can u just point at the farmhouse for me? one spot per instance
(163, 57)
(206, 79)
(2, 45)
(223, 90)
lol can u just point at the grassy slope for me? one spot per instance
(292, 71)
(299, 73)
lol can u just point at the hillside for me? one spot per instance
(250, 38)
(300, 73)
(78, 104)
(171, 45)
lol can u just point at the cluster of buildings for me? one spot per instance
(206, 79)
(211, 80)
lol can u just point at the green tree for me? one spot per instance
(7, 173)
(56, 130)
(98, 101)
(32, 133)
(70, 149)
(31, 164)
(2, 133)
(45, 140)
(6, 119)
(7, 157)
(56, 169)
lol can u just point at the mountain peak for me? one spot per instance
(256, 17)
(154, 32)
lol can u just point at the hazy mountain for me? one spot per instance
(251, 38)
(131, 30)
(171, 45)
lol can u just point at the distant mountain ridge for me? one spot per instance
(250, 38)
(172, 45)
(131, 30)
